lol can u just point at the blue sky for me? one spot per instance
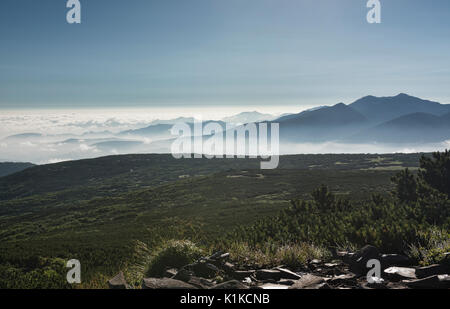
(144, 53)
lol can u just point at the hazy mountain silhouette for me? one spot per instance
(321, 124)
(247, 117)
(7, 168)
(402, 118)
(151, 131)
(411, 128)
(381, 109)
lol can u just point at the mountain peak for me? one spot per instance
(381, 109)
(403, 95)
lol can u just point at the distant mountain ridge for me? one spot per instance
(247, 117)
(381, 109)
(8, 168)
(402, 118)
(321, 124)
(368, 123)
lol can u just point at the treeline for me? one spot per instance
(416, 215)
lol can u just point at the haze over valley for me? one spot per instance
(400, 123)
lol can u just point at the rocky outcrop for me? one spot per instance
(165, 283)
(118, 282)
(349, 271)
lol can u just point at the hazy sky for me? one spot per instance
(144, 53)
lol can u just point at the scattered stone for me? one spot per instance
(308, 282)
(242, 274)
(216, 254)
(183, 275)
(400, 273)
(165, 283)
(388, 260)
(377, 283)
(230, 285)
(272, 286)
(204, 273)
(170, 273)
(203, 269)
(268, 274)
(428, 271)
(396, 286)
(287, 274)
(247, 280)
(223, 257)
(118, 282)
(201, 283)
(320, 286)
(345, 279)
(287, 282)
(433, 282)
(228, 267)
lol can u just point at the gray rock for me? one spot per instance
(287, 282)
(321, 286)
(388, 260)
(183, 275)
(428, 271)
(230, 285)
(242, 274)
(228, 267)
(203, 269)
(201, 283)
(223, 257)
(273, 286)
(377, 283)
(287, 274)
(216, 255)
(400, 273)
(165, 283)
(308, 282)
(345, 279)
(170, 273)
(268, 274)
(118, 282)
(330, 265)
(433, 282)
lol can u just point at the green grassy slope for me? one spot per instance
(94, 209)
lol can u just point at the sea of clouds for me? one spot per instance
(54, 136)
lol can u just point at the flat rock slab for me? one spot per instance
(230, 285)
(400, 273)
(308, 282)
(242, 274)
(428, 271)
(170, 273)
(433, 282)
(201, 283)
(287, 274)
(165, 283)
(118, 282)
(273, 286)
(345, 279)
(268, 274)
